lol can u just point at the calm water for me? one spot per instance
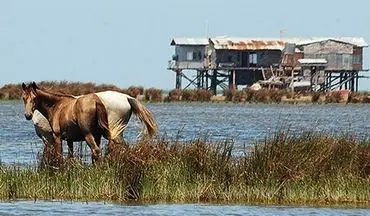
(76, 208)
(245, 123)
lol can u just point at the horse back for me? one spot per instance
(117, 106)
(91, 115)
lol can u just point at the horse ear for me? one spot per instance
(24, 87)
(34, 86)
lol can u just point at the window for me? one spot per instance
(229, 58)
(253, 58)
(189, 56)
(194, 56)
(357, 59)
(200, 55)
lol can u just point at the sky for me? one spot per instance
(127, 43)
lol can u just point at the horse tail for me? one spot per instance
(102, 115)
(144, 115)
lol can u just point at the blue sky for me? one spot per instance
(127, 42)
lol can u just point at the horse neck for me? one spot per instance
(47, 102)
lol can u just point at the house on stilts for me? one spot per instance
(311, 64)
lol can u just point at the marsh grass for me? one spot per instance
(14, 91)
(285, 168)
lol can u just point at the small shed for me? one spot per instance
(342, 54)
(189, 53)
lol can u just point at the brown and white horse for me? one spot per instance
(118, 106)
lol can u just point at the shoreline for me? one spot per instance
(154, 95)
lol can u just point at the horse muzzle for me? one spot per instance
(28, 116)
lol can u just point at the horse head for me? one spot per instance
(29, 98)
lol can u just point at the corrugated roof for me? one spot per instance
(357, 41)
(247, 43)
(189, 41)
(234, 43)
(312, 61)
(276, 44)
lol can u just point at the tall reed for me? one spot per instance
(285, 168)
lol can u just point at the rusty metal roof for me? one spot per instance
(247, 43)
(276, 44)
(262, 43)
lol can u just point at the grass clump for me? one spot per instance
(286, 168)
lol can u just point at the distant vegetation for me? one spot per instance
(309, 168)
(13, 91)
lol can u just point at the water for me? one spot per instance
(99, 208)
(245, 123)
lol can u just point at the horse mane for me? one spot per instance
(58, 94)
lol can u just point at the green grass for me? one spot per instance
(310, 168)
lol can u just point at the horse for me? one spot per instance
(119, 107)
(72, 119)
(44, 131)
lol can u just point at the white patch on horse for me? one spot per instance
(119, 111)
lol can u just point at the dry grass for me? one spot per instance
(153, 95)
(13, 91)
(309, 168)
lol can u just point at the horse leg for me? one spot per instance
(70, 149)
(97, 139)
(110, 146)
(95, 151)
(58, 150)
(46, 154)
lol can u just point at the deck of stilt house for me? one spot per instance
(310, 64)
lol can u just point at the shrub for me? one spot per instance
(189, 95)
(108, 87)
(365, 99)
(134, 91)
(333, 97)
(249, 93)
(315, 97)
(275, 95)
(174, 95)
(240, 96)
(353, 97)
(260, 95)
(153, 94)
(229, 94)
(204, 95)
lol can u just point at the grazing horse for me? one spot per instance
(119, 108)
